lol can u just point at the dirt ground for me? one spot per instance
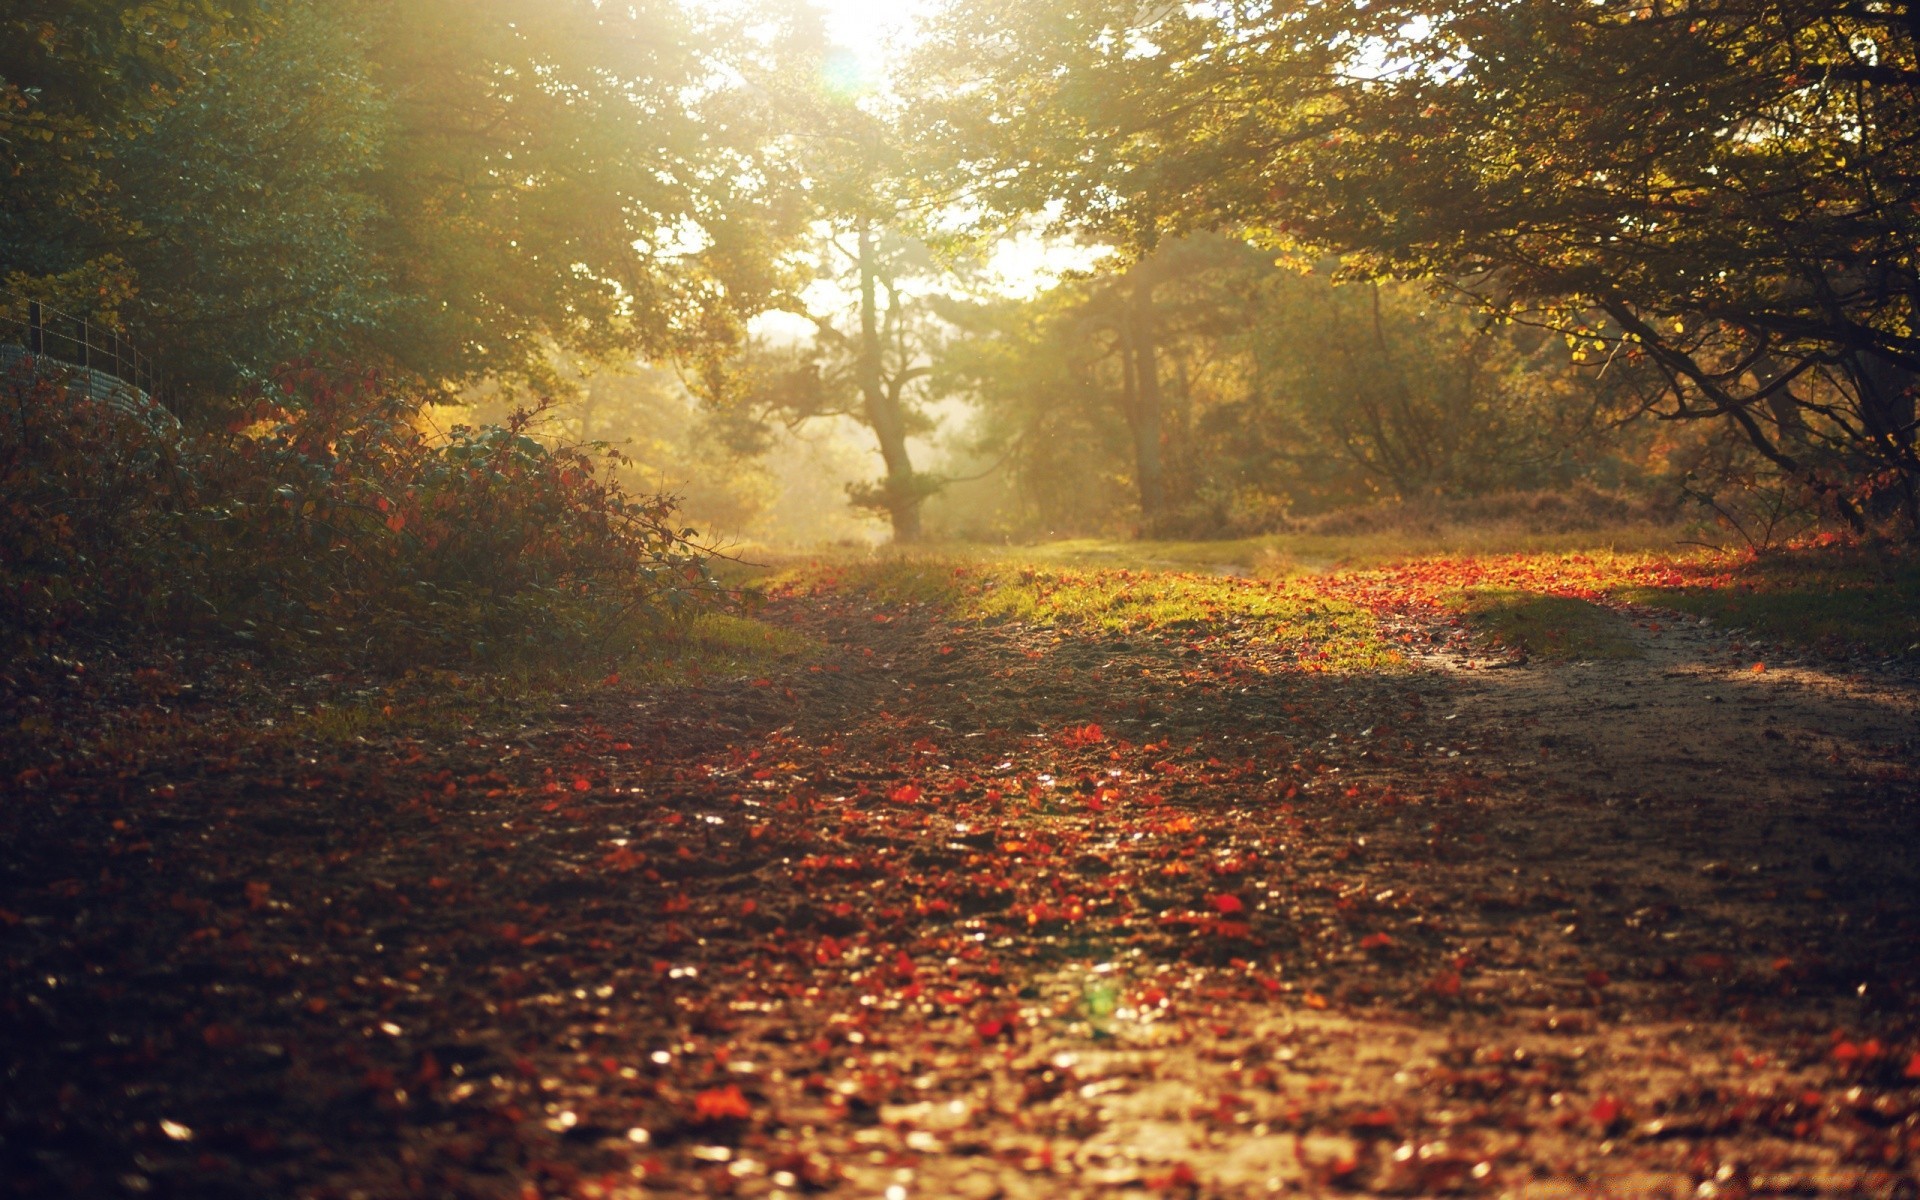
(984, 910)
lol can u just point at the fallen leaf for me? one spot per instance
(721, 1104)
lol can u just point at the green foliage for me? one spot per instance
(573, 174)
(76, 81)
(256, 238)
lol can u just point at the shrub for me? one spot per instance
(328, 519)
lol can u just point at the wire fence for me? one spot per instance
(46, 332)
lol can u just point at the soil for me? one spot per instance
(982, 910)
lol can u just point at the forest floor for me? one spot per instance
(1012, 883)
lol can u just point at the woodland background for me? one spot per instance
(467, 308)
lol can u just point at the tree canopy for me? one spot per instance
(1718, 193)
(456, 189)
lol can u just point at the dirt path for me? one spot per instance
(976, 910)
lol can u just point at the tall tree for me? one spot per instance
(568, 173)
(876, 333)
(872, 324)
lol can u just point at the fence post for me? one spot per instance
(36, 334)
(86, 343)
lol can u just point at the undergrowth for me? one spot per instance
(325, 526)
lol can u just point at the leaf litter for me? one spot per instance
(968, 908)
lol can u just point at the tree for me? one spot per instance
(869, 358)
(569, 174)
(252, 233)
(875, 326)
(1281, 392)
(450, 189)
(1715, 193)
(73, 84)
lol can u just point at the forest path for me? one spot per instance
(962, 909)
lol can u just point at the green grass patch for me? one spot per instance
(1560, 628)
(1323, 632)
(1828, 599)
(1293, 553)
(1546, 591)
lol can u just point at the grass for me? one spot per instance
(1829, 599)
(1324, 632)
(1547, 593)
(1295, 553)
(1557, 628)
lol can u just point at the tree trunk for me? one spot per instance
(1888, 397)
(884, 411)
(1145, 405)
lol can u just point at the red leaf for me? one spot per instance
(1377, 1118)
(721, 1104)
(1226, 904)
(906, 793)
